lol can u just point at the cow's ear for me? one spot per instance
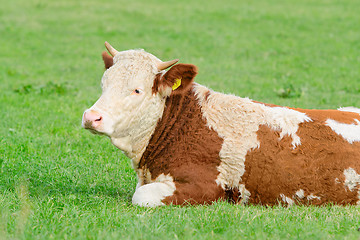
(108, 60)
(175, 81)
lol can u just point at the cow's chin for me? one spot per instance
(100, 131)
(96, 132)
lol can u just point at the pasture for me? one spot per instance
(58, 181)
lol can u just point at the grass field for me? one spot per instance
(58, 181)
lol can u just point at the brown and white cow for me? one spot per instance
(191, 145)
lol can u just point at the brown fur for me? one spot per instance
(108, 60)
(275, 168)
(184, 147)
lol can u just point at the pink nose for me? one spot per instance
(92, 119)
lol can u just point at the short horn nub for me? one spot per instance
(111, 50)
(164, 65)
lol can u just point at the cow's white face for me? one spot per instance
(127, 108)
(134, 91)
(126, 93)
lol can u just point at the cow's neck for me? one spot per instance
(134, 142)
(181, 114)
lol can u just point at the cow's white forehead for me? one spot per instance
(132, 66)
(137, 58)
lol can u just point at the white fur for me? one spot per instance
(300, 194)
(237, 121)
(337, 181)
(152, 194)
(350, 109)
(287, 121)
(244, 194)
(350, 132)
(312, 197)
(130, 119)
(287, 200)
(352, 181)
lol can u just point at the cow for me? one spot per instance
(191, 145)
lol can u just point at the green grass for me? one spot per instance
(58, 181)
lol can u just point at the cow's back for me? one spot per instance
(272, 153)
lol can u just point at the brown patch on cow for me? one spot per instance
(275, 168)
(207, 95)
(157, 83)
(185, 72)
(184, 147)
(108, 60)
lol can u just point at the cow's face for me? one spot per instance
(134, 90)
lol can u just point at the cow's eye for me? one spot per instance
(137, 91)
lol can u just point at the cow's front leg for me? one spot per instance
(152, 194)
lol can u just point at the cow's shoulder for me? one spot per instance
(185, 148)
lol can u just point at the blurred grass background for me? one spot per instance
(58, 181)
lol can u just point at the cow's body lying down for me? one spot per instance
(193, 145)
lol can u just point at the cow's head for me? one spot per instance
(134, 90)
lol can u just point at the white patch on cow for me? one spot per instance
(287, 121)
(287, 200)
(350, 109)
(244, 194)
(123, 143)
(312, 197)
(130, 119)
(152, 194)
(299, 194)
(350, 132)
(352, 181)
(237, 121)
(337, 181)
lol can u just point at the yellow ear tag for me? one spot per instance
(176, 84)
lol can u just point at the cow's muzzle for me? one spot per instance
(91, 119)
